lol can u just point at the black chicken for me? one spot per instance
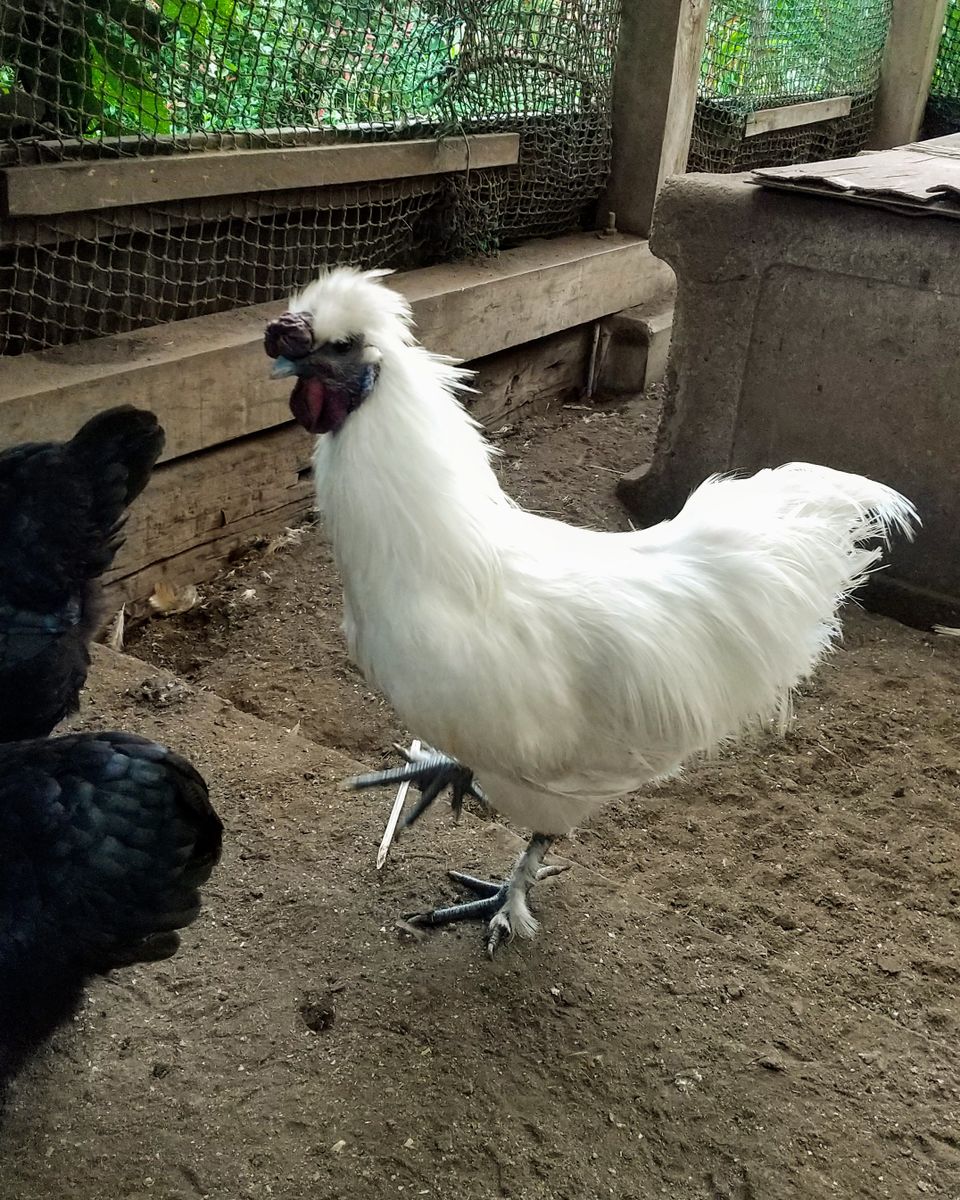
(62, 507)
(105, 839)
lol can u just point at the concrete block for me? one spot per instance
(815, 329)
(634, 347)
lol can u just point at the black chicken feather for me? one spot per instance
(62, 509)
(105, 840)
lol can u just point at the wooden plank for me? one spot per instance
(792, 116)
(207, 378)
(203, 561)
(653, 104)
(194, 512)
(532, 378)
(278, 138)
(91, 186)
(178, 214)
(198, 510)
(188, 502)
(634, 348)
(688, 55)
(128, 145)
(916, 27)
(472, 309)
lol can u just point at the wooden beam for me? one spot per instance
(207, 379)
(682, 103)
(472, 309)
(655, 95)
(193, 513)
(278, 137)
(792, 116)
(91, 186)
(177, 214)
(916, 27)
(126, 145)
(531, 378)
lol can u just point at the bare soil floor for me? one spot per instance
(746, 989)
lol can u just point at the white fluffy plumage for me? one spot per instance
(566, 666)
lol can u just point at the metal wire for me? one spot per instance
(943, 106)
(767, 53)
(84, 79)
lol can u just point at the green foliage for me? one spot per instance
(791, 50)
(181, 66)
(946, 75)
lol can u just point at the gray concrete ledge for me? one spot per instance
(821, 330)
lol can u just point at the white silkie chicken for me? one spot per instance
(565, 667)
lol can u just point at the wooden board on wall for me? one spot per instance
(531, 378)
(654, 99)
(196, 511)
(908, 61)
(208, 380)
(113, 183)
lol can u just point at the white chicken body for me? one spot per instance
(566, 666)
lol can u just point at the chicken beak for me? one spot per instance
(283, 368)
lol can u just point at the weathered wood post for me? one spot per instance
(655, 94)
(916, 27)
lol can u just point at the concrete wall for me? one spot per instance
(820, 330)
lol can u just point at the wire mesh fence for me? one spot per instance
(943, 106)
(95, 79)
(763, 54)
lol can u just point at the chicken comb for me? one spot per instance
(290, 335)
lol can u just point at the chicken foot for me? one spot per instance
(432, 772)
(504, 903)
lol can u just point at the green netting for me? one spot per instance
(943, 107)
(766, 53)
(120, 78)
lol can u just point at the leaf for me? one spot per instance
(114, 638)
(221, 10)
(168, 600)
(121, 62)
(181, 12)
(186, 14)
(130, 108)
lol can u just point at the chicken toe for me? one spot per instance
(432, 772)
(504, 905)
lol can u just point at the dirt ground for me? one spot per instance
(746, 988)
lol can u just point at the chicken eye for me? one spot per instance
(341, 346)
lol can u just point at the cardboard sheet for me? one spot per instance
(920, 178)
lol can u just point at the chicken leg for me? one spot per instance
(504, 903)
(431, 771)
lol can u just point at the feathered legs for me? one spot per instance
(504, 903)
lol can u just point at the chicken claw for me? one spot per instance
(504, 904)
(431, 771)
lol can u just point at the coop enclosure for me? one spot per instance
(786, 81)
(170, 170)
(111, 83)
